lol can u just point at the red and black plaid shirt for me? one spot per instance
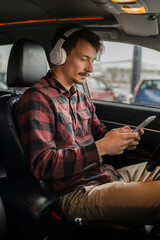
(58, 130)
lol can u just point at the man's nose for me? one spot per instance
(89, 67)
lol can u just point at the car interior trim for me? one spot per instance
(54, 20)
(132, 126)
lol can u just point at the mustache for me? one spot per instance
(86, 74)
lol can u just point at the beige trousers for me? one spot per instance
(135, 198)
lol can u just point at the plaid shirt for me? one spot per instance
(58, 130)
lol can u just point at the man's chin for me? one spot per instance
(80, 81)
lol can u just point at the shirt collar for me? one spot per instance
(57, 85)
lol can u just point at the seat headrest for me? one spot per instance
(27, 64)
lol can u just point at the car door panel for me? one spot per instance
(115, 115)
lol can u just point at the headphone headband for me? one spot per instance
(58, 54)
(70, 31)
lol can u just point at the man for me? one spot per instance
(65, 142)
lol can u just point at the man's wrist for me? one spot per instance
(100, 148)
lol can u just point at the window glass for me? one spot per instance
(150, 84)
(4, 56)
(124, 74)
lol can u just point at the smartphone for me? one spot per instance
(144, 123)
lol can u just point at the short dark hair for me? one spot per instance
(82, 33)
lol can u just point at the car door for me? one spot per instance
(118, 114)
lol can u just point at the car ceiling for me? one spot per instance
(39, 18)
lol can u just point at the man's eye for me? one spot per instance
(83, 59)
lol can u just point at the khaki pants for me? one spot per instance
(135, 198)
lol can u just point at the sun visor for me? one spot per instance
(130, 6)
(140, 25)
(136, 17)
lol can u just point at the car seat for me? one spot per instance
(3, 223)
(27, 64)
(26, 202)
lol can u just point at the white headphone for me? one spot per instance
(58, 54)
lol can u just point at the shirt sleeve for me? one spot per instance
(36, 122)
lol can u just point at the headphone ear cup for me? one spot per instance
(63, 57)
(54, 56)
(58, 57)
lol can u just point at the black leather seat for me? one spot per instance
(28, 206)
(33, 208)
(27, 63)
(3, 223)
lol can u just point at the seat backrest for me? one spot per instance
(27, 64)
(13, 155)
(3, 223)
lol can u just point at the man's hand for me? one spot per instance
(117, 140)
(134, 144)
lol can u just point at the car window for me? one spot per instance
(102, 85)
(93, 84)
(123, 69)
(150, 84)
(4, 56)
